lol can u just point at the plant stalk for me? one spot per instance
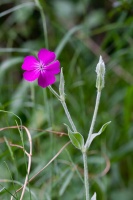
(65, 108)
(86, 177)
(93, 119)
(68, 115)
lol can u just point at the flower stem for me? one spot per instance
(86, 178)
(65, 108)
(54, 92)
(94, 118)
(68, 115)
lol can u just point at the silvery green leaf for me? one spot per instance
(94, 196)
(61, 86)
(96, 134)
(76, 138)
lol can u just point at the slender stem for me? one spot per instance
(65, 108)
(94, 118)
(2, 14)
(54, 92)
(43, 22)
(68, 116)
(86, 178)
(20, 50)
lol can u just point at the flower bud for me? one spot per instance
(61, 86)
(100, 70)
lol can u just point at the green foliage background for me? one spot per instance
(79, 31)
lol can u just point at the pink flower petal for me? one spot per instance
(29, 63)
(54, 67)
(31, 75)
(46, 56)
(45, 79)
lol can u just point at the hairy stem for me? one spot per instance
(94, 118)
(65, 108)
(68, 116)
(54, 92)
(86, 178)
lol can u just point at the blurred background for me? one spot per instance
(79, 31)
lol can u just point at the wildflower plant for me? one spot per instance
(26, 151)
(44, 69)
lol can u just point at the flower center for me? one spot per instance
(40, 66)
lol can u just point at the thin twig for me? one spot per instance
(18, 146)
(29, 164)
(28, 154)
(46, 164)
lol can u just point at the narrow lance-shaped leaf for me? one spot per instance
(61, 86)
(94, 197)
(96, 134)
(76, 138)
(66, 183)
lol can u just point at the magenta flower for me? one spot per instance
(44, 68)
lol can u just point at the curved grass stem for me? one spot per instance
(43, 22)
